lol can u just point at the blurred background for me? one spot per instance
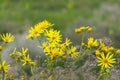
(17, 16)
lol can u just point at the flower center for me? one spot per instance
(105, 60)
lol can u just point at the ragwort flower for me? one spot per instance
(7, 37)
(4, 67)
(92, 42)
(38, 29)
(106, 60)
(53, 35)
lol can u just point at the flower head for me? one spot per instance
(72, 52)
(7, 37)
(38, 29)
(92, 42)
(4, 67)
(53, 35)
(27, 60)
(106, 61)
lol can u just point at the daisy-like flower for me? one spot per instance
(92, 42)
(27, 60)
(24, 51)
(72, 52)
(118, 51)
(4, 67)
(78, 30)
(38, 29)
(53, 35)
(7, 37)
(106, 60)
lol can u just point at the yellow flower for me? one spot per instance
(4, 67)
(118, 51)
(34, 32)
(78, 30)
(7, 37)
(106, 61)
(97, 52)
(89, 29)
(55, 52)
(92, 42)
(72, 52)
(27, 60)
(44, 24)
(1, 48)
(67, 42)
(24, 51)
(38, 29)
(53, 35)
(12, 55)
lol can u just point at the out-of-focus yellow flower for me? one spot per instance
(78, 30)
(67, 42)
(55, 52)
(4, 67)
(83, 28)
(27, 60)
(83, 44)
(106, 60)
(90, 29)
(97, 52)
(118, 51)
(92, 42)
(12, 54)
(53, 35)
(72, 52)
(1, 47)
(24, 51)
(7, 37)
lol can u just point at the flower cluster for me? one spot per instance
(83, 28)
(58, 52)
(4, 67)
(38, 29)
(22, 57)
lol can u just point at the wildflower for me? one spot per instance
(72, 52)
(55, 52)
(83, 44)
(33, 32)
(38, 29)
(67, 42)
(78, 30)
(89, 29)
(53, 35)
(4, 67)
(7, 37)
(13, 53)
(44, 24)
(24, 51)
(27, 60)
(1, 48)
(92, 42)
(118, 51)
(106, 61)
(97, 52)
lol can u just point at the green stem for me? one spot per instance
(3, 75)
